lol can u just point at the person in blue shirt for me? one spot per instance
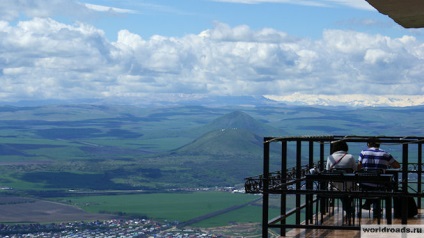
(374, 158)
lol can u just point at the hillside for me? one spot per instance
(233, 141)
(230, 151)
(241, 120)
(62, 147)
(235, 133)
(234, 119)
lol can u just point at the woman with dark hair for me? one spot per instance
(340, 159)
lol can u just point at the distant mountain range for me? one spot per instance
(295, 99)
(351, 100)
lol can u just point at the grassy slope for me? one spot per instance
(176, 206)
(130, 147)
(98, 147)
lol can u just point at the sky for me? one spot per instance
(294, 50)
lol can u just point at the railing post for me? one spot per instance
(283, 205)
(404, 204)
(309, 198)
(321, 156)
(298, 177)
(265, 197)
(420, 170)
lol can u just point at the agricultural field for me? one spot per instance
(131, 161)
(179, 207)
(235, 210)
(30, 210)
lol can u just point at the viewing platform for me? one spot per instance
(337, 218)
(310, 207)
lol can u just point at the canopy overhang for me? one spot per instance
(407, 13)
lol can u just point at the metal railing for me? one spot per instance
(291, 183)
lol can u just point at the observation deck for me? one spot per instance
(307, 206)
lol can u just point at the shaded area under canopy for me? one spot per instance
(407, 13)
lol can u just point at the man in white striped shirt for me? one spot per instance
(374, 158)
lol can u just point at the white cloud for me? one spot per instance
(358, 4)
(43, 58)
(101, 8)
(374, 56)
(14, 9)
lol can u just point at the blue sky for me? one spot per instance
(178, 18)
(337, 50)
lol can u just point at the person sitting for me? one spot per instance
(374, 158)
(340, 159)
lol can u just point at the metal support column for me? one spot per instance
(420, 170)
(404, 204)
(265, 197)
(298, 177)
(283, 201)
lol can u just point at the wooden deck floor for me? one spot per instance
(336, 219)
